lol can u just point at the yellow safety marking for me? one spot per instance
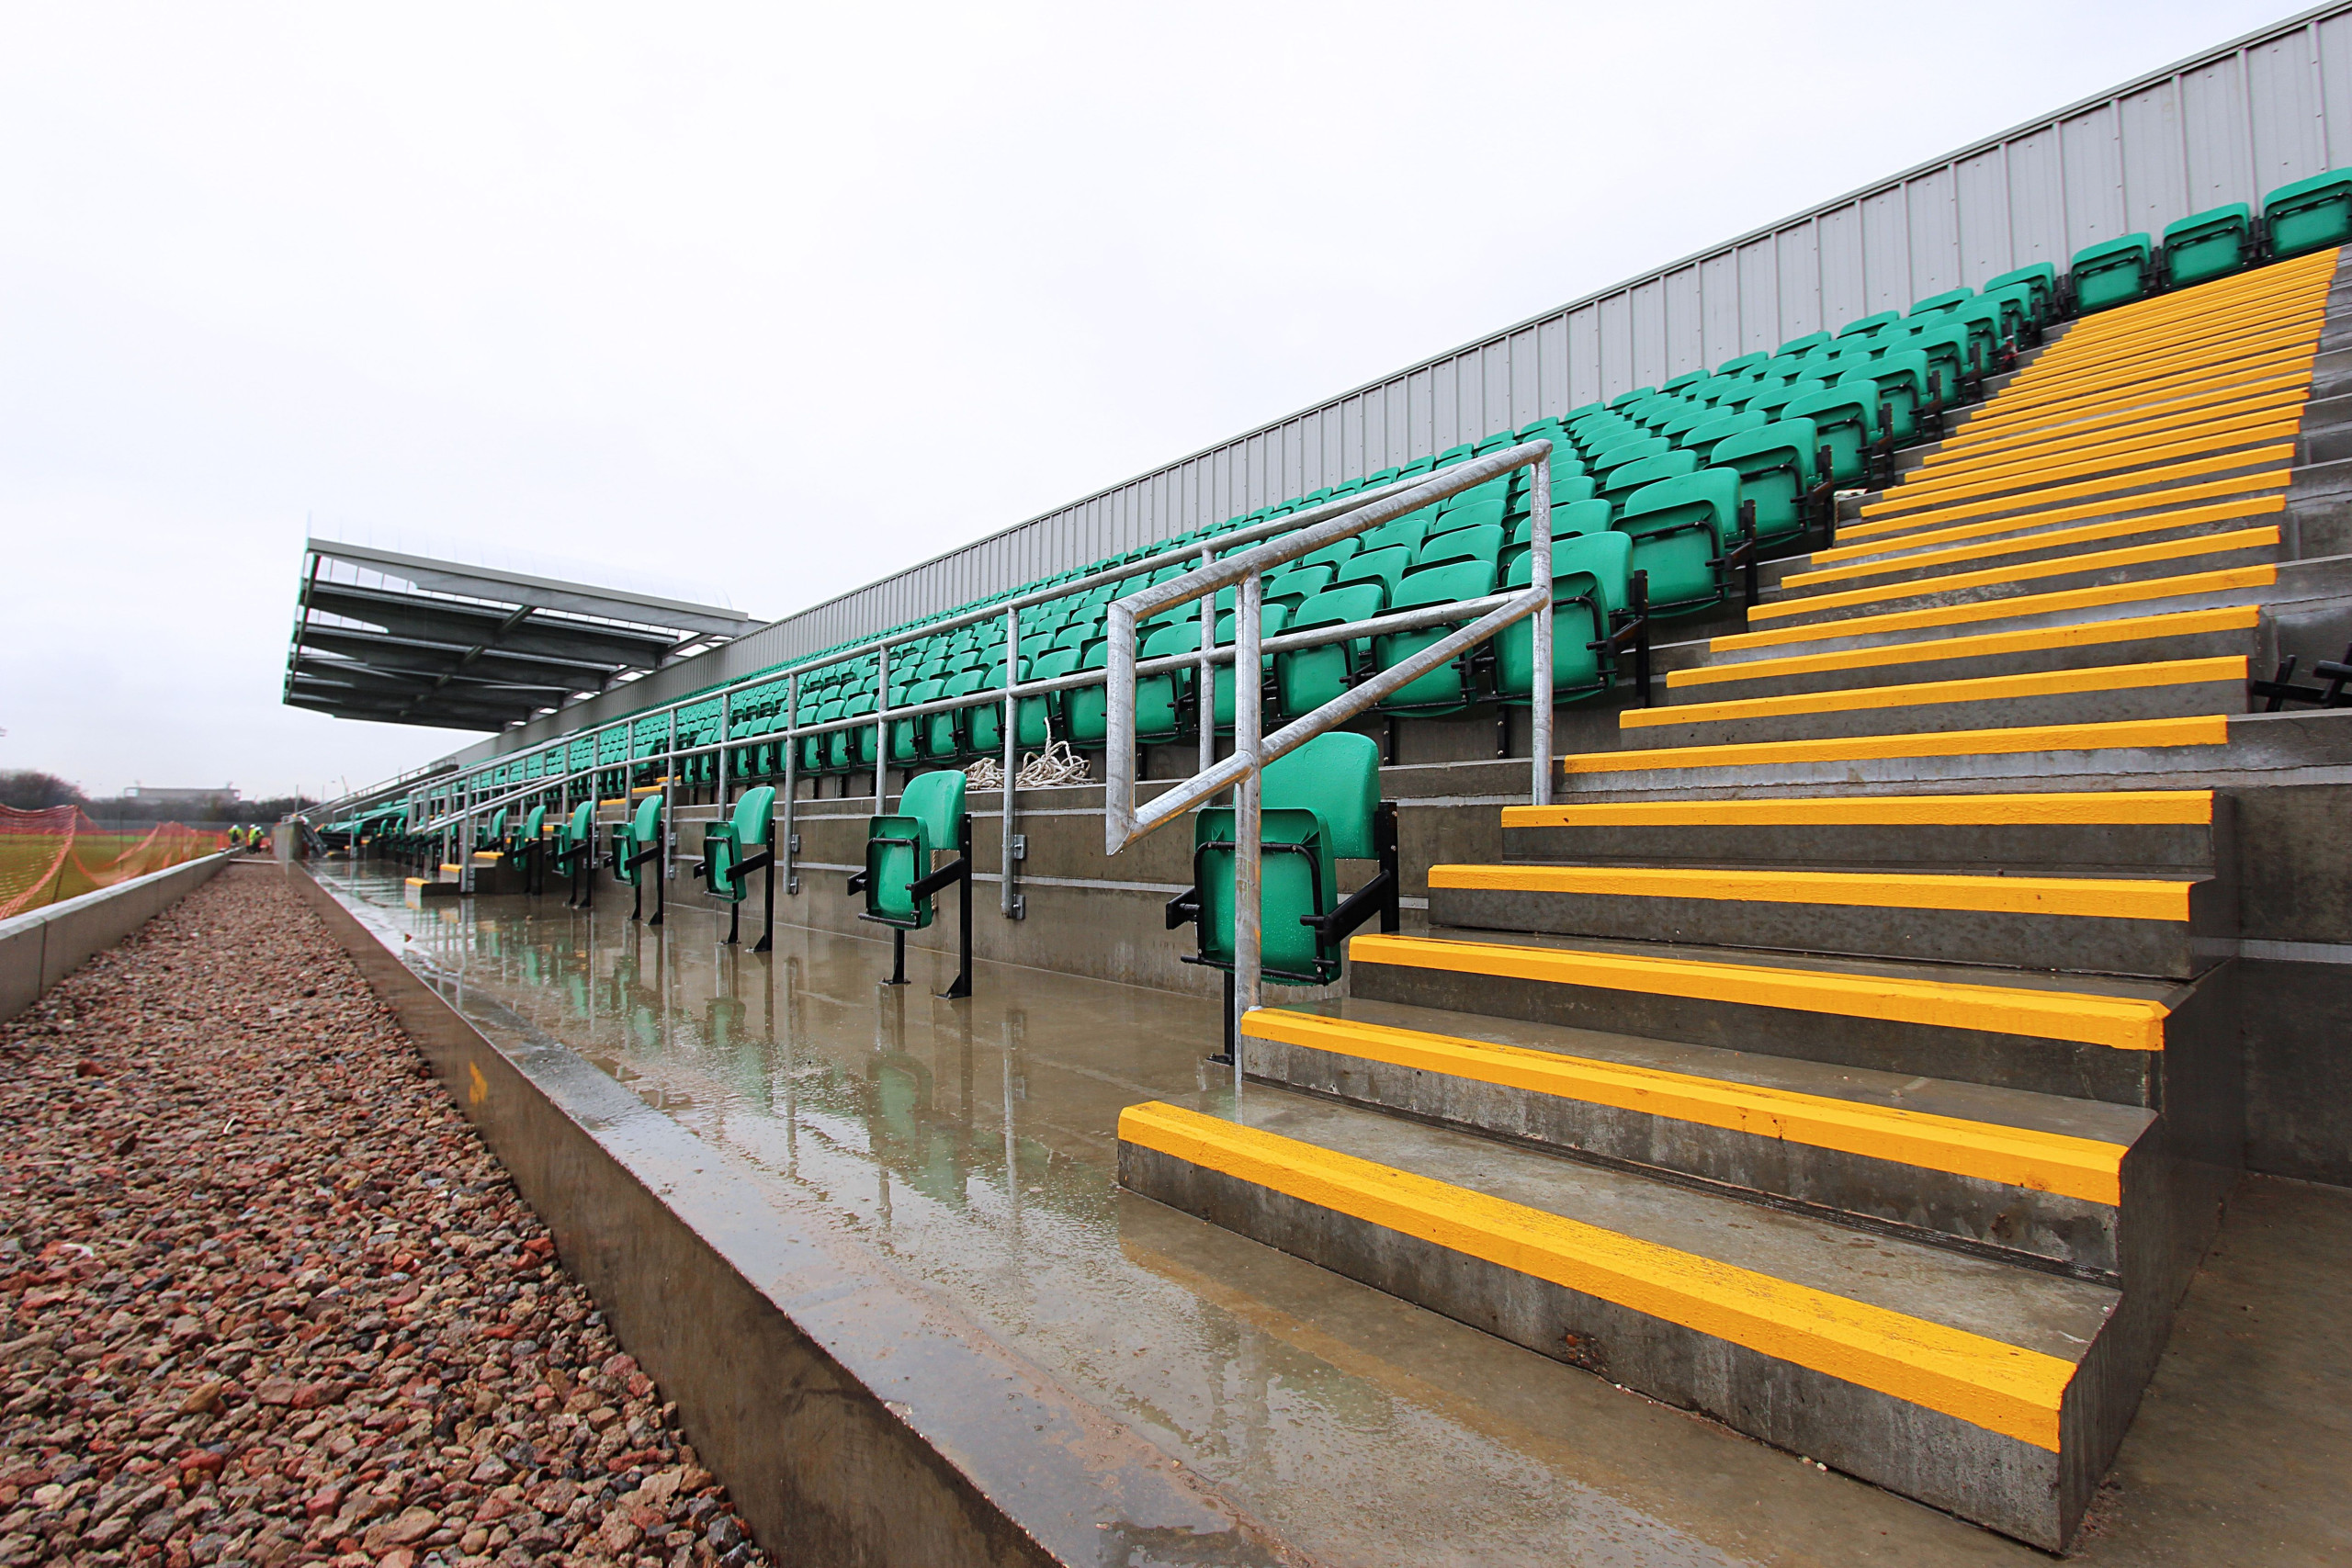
(1903, 532)
(2121, 1023)
(1975, 689)
(417, 881)
(2205, 729)
(2086, 1168)
(2283, 391)
(2217, 340)
(2025, 572)
(2091, 339)
(2016, 1393)
(2090, 898)
(2175, 312)
(2004, 421)
(2141, 481)
(2232, 578)
(451, 866)
(2009, 544)
(1986, 645)
(2192, 807)
(2025, 478)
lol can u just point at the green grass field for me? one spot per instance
(25, 857)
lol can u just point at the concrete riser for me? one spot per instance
(1927, 597)
(2041, 1229)
(2084, 656)
(2064, 943)
(2054, 850)
(1967, 1055)
(1927, 717)
(1828, 642)
(2015, 1487)
(2016, 550)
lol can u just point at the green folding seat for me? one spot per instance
(1590, 574)
(575, 847)
(1680, 528)
(1162, 700)
(906, 734)
(2308, 215)
(1335, 554)
(1679, 428)
(2112, 273)
(1936, 304)
(1901, 381)
(2011, 310)
(1583, 410)
(1086, 710)
(732, 850)
(1547, 428)
(1453, 455)
(1702, 437)
(1864, 325)
(984, 721)
(1494, 442)
(1272, 621)
(817, 750)
(1417, 468)
(1382, 565)
(1627, 477)
(1306, 678)
(637, 843)
(1800, 346)
(1469, 514)
(1296, 583)
(1740, 364)
(1678, 383)
(1583, 517)
(1384, 476)
(1478, 541)
(1606, 462)
(1845, 421)
(900, 880)
(1622, 400)
(1035, 719)
(1450, 687)
(2209, 245)
(2040, 278)
(1952, 364)
(1776, 465)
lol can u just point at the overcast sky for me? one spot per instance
(765, 302)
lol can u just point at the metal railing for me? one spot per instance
(461, 803)
(1124, 822)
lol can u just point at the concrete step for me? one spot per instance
(2145, 832)
(2128, 412)
(1965, 548)
(2169, 926)
(2118, 493)
(2119, 640)
(2063, 459)
(2217, 350)
(2245, 495)
(2080, 568)
(2020, 610)
(2030, 1179)
(2082, 1036)
(1985, 1390)
(2099, 694)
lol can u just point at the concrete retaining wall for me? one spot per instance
(39, 948)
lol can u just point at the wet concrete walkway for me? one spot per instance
(972, 1144)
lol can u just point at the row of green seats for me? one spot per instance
(2297, 218)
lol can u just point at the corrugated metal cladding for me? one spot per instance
(2250, 116)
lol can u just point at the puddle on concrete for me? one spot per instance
(974, 1144)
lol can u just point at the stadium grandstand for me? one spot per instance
(1774, 835)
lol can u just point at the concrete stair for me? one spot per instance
(1882, 1117)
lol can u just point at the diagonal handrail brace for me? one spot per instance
(1123, 822)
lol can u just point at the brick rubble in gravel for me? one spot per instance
(270, 1301)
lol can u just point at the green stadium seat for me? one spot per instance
(1619, 403)
(2209, 245)
(1936, 304)
(1800, 346)
(1272, 621)
(2308, 215)
(1862, 326)
(1477, 541)
(1449, 688)
(1627, 477)
(1778, 469)
(1382, 565)
(899, 882)
(1036, 718)
(1845, 421)
(637, 843)
(1306, 678)
(2040, 278)
(1318, 805)
(2112, 273)
(1592, 582)
(734, 849)
(1901, 380)
(1680, 528)
(1162, 700)
(1702, 437)
(575, 850)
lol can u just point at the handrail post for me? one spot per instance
(1204, 684)
(1248, 908)
(726, 730)
(669, 809)
(1539, 710)
(782, 848)
(881, 722)
(1006, 903)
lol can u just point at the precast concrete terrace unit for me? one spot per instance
(1827, 964)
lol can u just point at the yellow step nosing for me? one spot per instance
(2144, 481)
(2205, 435)
(2192, 807)
(2230, 668)
(2079, 1018)
(2282, 391)
(2024, 479)
(2102, 331)
(2203, 729)
(2057, 1162)
(1986, 645)
(2228, 579)
(2220, 341)
(2083, 898)
(2019, 427)
(2004, 1389)
(2024, 572)
(2010, 543)
(1894, 534)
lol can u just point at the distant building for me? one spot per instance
(157, 795)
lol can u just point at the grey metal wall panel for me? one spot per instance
(2234, 122)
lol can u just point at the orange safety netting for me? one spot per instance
(61, 853)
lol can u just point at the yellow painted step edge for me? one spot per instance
(2014, 1156)
(2124, 418)
(1986, 645)
(2012, 543)
(1892, 534)
(2121, 1023)
(2025, 572)
(1975, 689)
(2016, 1393)
(2141, 481)
(2230, 580)
(2192, 807)
(2089, 897)
(2023, 478)
(2203, 729)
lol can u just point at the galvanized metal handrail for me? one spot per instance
(1124, 821)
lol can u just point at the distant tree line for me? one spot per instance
(27, 790)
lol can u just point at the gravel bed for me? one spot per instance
(270, 1301)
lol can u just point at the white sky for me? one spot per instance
(776, 299)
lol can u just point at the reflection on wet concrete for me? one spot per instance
(973, 1144)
